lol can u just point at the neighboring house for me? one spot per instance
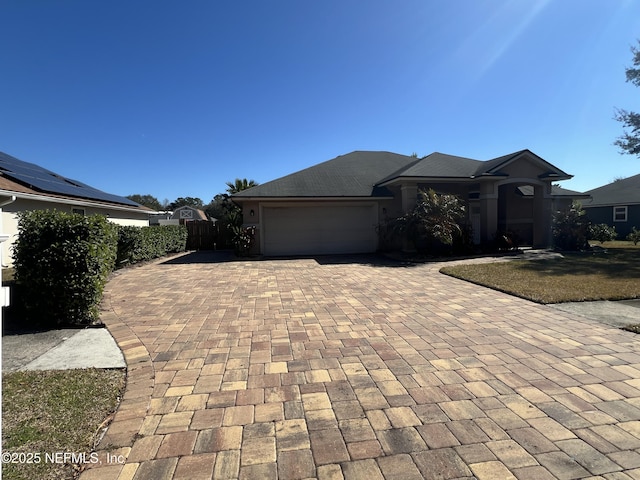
(617, 204)
(336, 206)
(187, 214)
(157, 218)
(27, 186)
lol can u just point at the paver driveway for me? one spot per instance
(317, 369)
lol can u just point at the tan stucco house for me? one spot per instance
(27, 186)
(336, 206)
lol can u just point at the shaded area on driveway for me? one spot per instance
(224, 256)
(296, 369)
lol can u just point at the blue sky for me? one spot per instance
(174, 99)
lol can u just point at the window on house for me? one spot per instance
(79, 211)
(620, 214)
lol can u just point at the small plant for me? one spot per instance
(243, 239)
(602, 232)
(634, 236)
(506, 241)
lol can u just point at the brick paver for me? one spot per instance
(351, 368)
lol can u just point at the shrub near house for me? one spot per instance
(602, 232)
(634, 236)
(570, 228)
(435, 225)
(63, 260)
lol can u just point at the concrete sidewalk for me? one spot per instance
(617, 314)
(61, 350)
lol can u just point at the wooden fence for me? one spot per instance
(205, 235)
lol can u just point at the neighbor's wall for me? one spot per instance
(9, 218)
(605, 215)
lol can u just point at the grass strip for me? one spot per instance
(54, 411)
(613, 274)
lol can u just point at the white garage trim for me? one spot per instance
(317, 228)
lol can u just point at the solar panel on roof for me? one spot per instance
(47, 181)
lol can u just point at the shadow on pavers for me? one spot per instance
(226, 256)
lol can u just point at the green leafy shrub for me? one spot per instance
(243, 239)
(634, 236)
(62, 262)
(435, 224)
(139, 244)
(570, 228)
(602, 232)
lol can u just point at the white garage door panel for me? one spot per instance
(318, 230)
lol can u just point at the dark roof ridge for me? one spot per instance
(352, 174)
(626, 180)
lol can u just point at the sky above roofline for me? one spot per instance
(175, 99)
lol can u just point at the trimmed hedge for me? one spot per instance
(138, 244)
(62, 262)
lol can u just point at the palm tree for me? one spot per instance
(435, 221)
(239, 185)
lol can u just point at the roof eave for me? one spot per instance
(306, 198)
(555, 176)
(397, 180)
(76, 201)
(611, 204)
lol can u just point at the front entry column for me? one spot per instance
(542, 216)
(409, 193)
(488, 213)
(409, 196)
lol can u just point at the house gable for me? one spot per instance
(442, 167)
(525, 164)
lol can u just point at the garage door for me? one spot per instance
(319, 230)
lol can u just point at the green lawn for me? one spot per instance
(610, 275)
(44, 412)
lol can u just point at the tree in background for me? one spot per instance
(239, 185)
(146, 200)
(629, 142)
(219, 206)
(194, 202)
(222, 207)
